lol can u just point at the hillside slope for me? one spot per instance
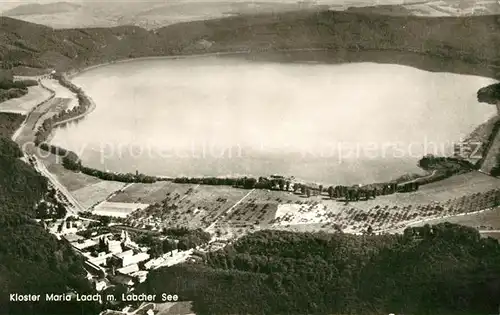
(31, 259)
(472, 40)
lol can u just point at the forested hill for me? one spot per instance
(443, 269)
(473, 40)
(31, 259)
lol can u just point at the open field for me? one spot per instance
(486, 220)
(453, 187)
(25, 103)
(150, 193)
(117, 209)
(96, 193)
(231, 212)
(71, 180)
(197, 206)
(27, 134)
(260, 208)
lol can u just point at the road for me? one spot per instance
(25, 136)
(75, 206)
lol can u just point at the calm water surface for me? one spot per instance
(351, 123)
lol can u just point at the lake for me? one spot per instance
(210, 116)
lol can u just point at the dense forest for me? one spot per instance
(441, 269)
(9, 122)
(31, 260)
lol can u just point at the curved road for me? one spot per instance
(25, 136)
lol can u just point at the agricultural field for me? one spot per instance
(230, 212)
(71, 180)
(117, 209)
(350, 217)
(150, 193)
(449, 198)
(441, 191)
(484, 220)
(90, 196)
(260, 207)
(197, 206)
(24, 104)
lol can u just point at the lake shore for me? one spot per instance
(247, 54)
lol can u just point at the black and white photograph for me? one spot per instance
(249, 157)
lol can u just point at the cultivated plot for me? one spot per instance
(197, 206)
(117, 209)
(71, 180)
(92, 195)
(149, 193)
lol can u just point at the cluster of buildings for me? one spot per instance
(111, 259)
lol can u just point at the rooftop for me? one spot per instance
(128, 269)
(124, 254)
(84, 244)
(73, 237)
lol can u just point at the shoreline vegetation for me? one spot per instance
(438, 168)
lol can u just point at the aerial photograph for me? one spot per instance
(234, 157)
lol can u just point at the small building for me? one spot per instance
(100, 259)
(121, 258)
(114, 246)
(140, 275)
(101, 284)
(129, 258)
(71, 237)
(128, 270)
(82, 244)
